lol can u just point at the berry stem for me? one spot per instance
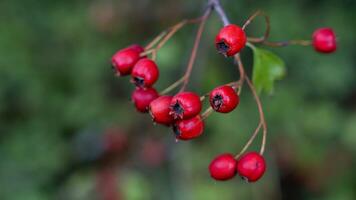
(155, 40)
(195, 49)
(173, 86)
(262, 116)
(268, 24)
(249, 142)
(207, 113)
(281, 43)
(241, 71)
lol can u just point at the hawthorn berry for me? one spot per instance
(230, 40)
(124, 60)
(224, 99)
(251, 166)
(324, 40)
(145, 73)
(185, 105)
(137, 48)
(159, 110)
(223, 167)
(142, 97)
(188, 129)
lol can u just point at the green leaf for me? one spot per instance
(267, 68)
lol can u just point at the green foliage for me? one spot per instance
(267, 68)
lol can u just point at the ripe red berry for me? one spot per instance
(145, 73)
(224, 99)
(324, 40)
(159, 110)
(185, 105)
(142, 97)
(223, 167)
(124, 60)
(189, 128)
(251, 166)
(137, 48)
(230, 40)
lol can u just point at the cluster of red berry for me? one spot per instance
(182, 111)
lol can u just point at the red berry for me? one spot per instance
(223, 167)
(137, 48)
(142, 97)
(124, 60)
(224, 99)
(189, 128)
(185, 105)
(145, 73)
(324, 40)
(251, 166)
(159, 110)
(230, 40)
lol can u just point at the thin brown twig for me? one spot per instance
(207, 113)
(268, 25)
(241, 71)
(259, 106)
(249, 142)
(285, 43)
(195, 49)
(262, 116)
(156, 39)
(172, 86)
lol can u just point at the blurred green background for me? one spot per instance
(68, 130)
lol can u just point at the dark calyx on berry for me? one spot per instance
(138, 81)
(222, 47)
(177, 110)
(217, 101)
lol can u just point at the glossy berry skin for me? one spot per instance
(251, 166)
(145, 73)
(324, 40)
(230, 40)
(124, 60)
(224, 99)
(142, 97)
(188, 129)
(159, 110)
(185, 105)
(223, 167)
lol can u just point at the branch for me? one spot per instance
(220, 11)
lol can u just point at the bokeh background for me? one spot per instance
(68, 130)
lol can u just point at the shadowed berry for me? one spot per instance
(185, 105)
(223, 167)
(251, 166)
(189, 128)
(142, 97)
(159, 110)
(224, 99)
(230, 40)
(145, 73)
(324, 40)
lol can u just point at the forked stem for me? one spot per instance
(262, 116)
